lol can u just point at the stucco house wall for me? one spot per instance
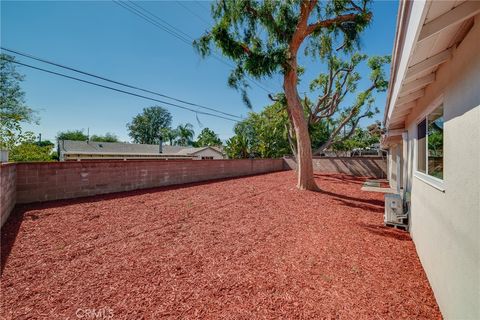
(445, 223)
(208, 152)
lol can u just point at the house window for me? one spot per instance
(207, 158)
(430, 144)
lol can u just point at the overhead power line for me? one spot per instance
(199, 17)
(156, 21)
(174, 31)
(120, 90)
(30, 56)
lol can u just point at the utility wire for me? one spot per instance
(176, 33)
(200, 4)
(154, 22)
(116, 82)
(199, 17)
(120, 90)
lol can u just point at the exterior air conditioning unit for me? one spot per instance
(394, 213)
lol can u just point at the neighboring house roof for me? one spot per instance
(427, 31)
(192, 150)
(94, 147)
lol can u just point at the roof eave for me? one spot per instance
(411, 18)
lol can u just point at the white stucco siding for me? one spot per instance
(445, 225)
(208, 153)
(395, 170)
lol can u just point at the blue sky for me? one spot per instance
(105, 39)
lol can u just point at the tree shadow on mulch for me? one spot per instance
(340, 177)
(386, 231)
(9, 234)
(366, 204)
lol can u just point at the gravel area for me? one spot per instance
(247, 248)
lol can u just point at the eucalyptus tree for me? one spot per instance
(263, 38)
(341, 80)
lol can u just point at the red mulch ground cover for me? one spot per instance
(244, 248)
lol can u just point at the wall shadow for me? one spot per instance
(374, 205)
(125, 194)
(9, 234)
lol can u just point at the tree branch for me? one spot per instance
(333, 21)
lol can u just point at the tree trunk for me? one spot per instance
(306, 179)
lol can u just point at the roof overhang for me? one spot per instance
(427, 32)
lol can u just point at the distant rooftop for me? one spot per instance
(94, 147)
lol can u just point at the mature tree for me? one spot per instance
(341, 80)
(108, 137)
(13, 111)
(266, 132)
(76, 135)
(185, 134)
(147, 127)
(263, 38)
(208, 138)
(237, 147)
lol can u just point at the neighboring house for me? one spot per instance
(69, 150)
(432, 118)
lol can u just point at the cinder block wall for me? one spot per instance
(8, 190)
(372, 167)
(64, 180)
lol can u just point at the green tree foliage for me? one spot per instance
(45, 143)
(13, 111)
(237, 147)
(185, 134)
(263, 38)
(108, 137)
(169, 135)
(148, 126)
(31, 150)
(76, 135)
(266, 133)
(208, 138)
(360, 139)
(435, 139)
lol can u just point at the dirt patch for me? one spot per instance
(244, 248)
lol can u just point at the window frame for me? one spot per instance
(435, 182)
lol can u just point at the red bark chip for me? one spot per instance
(245, 248)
